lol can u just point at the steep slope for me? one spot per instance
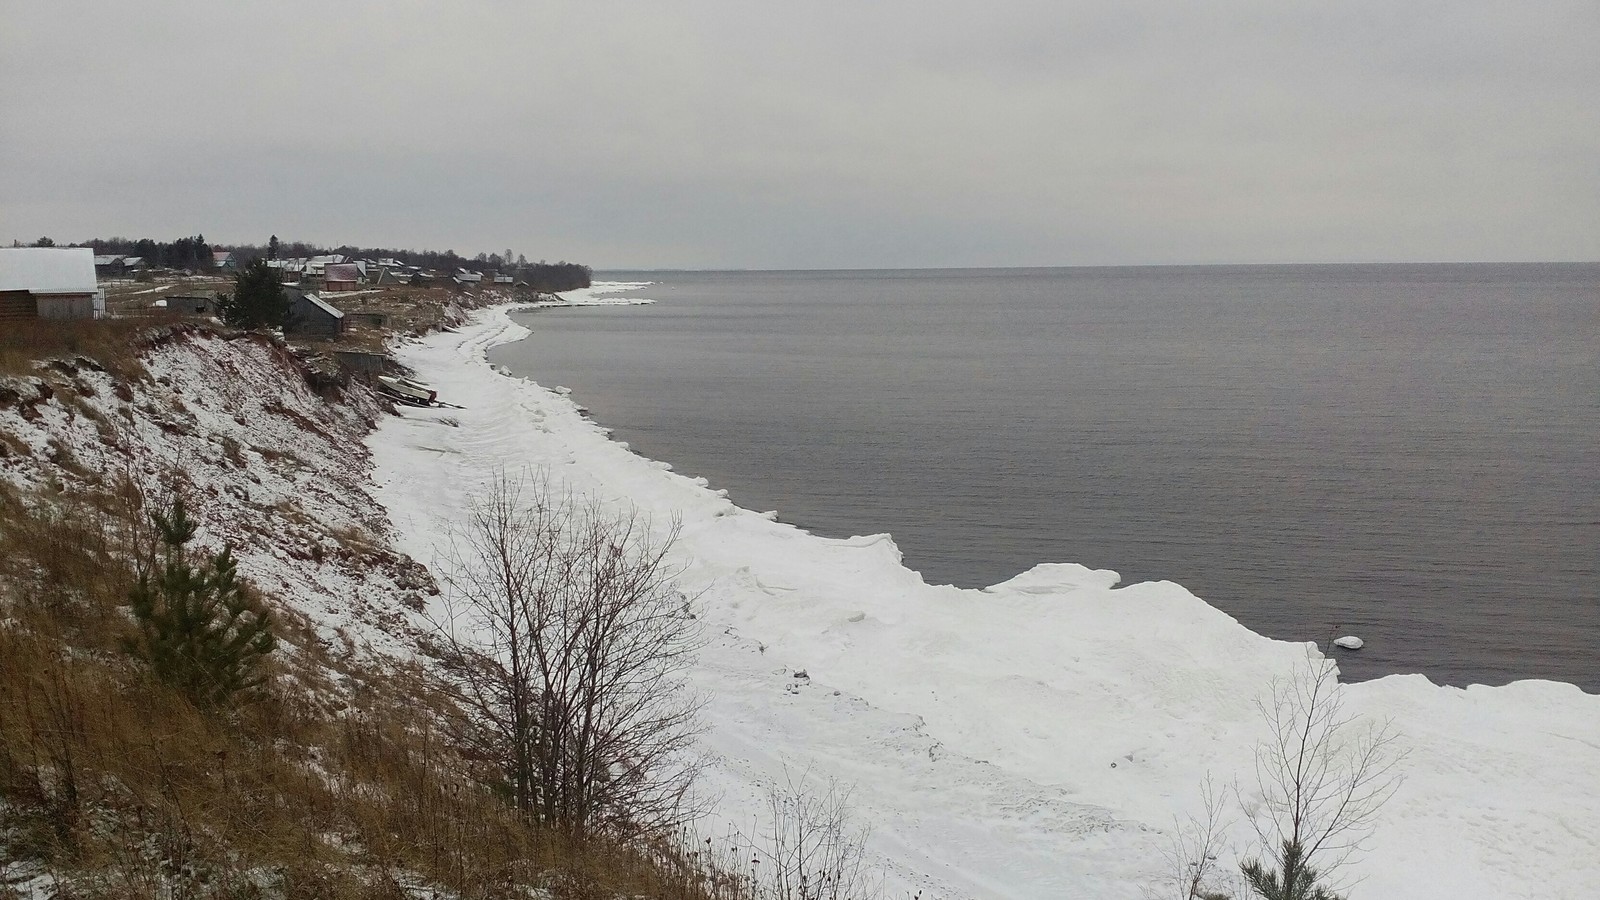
(266, 463)
(352, 773)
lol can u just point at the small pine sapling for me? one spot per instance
(1294, 879)
(200, 628)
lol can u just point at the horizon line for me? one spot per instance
(1208, 265)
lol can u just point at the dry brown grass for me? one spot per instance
(112, 343)
(119, 787)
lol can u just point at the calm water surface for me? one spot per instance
(1407, 453)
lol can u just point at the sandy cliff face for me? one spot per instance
(266, 462)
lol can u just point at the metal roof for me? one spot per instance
(47, 270)
(327, 307)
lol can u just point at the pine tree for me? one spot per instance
(258, 300)
(1297, 881)
(199, 627)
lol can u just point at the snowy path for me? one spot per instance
(1033, 740)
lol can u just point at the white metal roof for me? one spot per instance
(47, 270)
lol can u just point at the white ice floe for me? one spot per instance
(1031, 740)
(594, 296)
(586, 301)
(1349, 642)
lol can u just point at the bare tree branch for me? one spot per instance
(1323, 777)
(568, 641)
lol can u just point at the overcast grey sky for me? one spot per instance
(752, 134)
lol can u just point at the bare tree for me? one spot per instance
(568, 641)
(1194, 859)
(812, 851)
(803, 846)
(1323, 777)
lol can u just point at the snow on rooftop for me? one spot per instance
(47, 270)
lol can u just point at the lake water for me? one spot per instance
(1406, 453)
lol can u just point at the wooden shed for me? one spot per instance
(192, 304)
(312, 316)
(49, 283)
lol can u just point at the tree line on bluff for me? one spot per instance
(195, 254)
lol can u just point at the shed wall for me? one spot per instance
(17, 305)
(65, 306)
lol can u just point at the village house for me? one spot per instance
(341, 277)
(290, 271)
(316, 266)
(49, 283)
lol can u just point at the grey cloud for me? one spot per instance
(824, 134)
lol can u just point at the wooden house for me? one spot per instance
(49, 283)
(340, 277)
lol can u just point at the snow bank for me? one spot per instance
(1034, 739)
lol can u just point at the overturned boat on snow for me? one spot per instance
(407, 391)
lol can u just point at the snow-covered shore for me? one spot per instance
(1031, 740)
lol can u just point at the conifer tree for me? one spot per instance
(258, 300)
(199, 627)
(1296, 881)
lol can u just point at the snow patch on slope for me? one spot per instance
(265, 464)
